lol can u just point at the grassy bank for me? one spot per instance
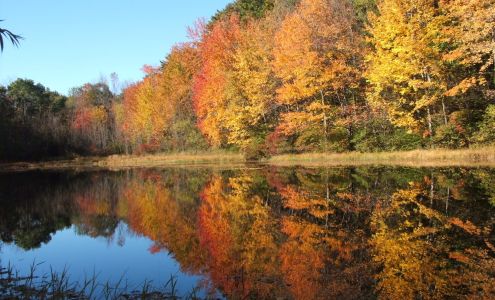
(420, 158)
(131, 161)
(428, 158)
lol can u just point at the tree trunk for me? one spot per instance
(430, 126)
(432, 191)
(444, 112)
(328, 203)
(493, 57)
(325, 125)
(447, 201)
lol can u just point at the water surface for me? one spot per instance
(263, 233)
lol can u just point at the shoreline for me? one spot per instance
(474, 157)
(116, 162)
(469, 157)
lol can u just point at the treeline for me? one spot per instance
(37, 123)
(280, 76)
(274, 76)
(30, 119)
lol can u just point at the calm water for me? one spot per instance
(264, 233)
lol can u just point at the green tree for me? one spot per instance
(486, 133)
(92, 95)
(28, 98)
(32, 122)
(246, 9)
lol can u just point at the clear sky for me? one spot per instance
(70, 42)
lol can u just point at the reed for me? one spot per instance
(217, 158)
(484, 156)
(58, 285)
(222, 157)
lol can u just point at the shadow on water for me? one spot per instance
(287, 233)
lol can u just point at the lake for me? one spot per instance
(260, 232)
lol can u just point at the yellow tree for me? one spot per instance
(316, 57)
(405, 70)
(176, 88)
(251, 106)
(472, 34)
(146, 114)
(159, 109)
(177, 72)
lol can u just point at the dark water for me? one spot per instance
(264, 233)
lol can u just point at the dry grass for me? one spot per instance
(428, 158)
(215, 158)
(418, 158)
(164, 159)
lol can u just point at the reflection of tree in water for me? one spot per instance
(430, 251)
(239, 232)
(325, 255)
(163, 207)
(36, 205)
(30, 210)
(291, 233)
(97, 206)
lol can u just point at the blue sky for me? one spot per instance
(71, 42)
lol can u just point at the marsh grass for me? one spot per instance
(435, 157)
(217, 158)
(54, 285)
(483, 156)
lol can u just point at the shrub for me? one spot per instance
(402, 140)
(486, 133)
(255, 150)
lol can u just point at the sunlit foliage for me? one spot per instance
(316, 56)
(405, 68)
(213, 85)
(266, 77)
(92, 119)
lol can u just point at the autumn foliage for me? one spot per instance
(324, 75)
(274, 76)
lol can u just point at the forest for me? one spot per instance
(266, 77)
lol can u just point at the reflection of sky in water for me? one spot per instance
(82, 255)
